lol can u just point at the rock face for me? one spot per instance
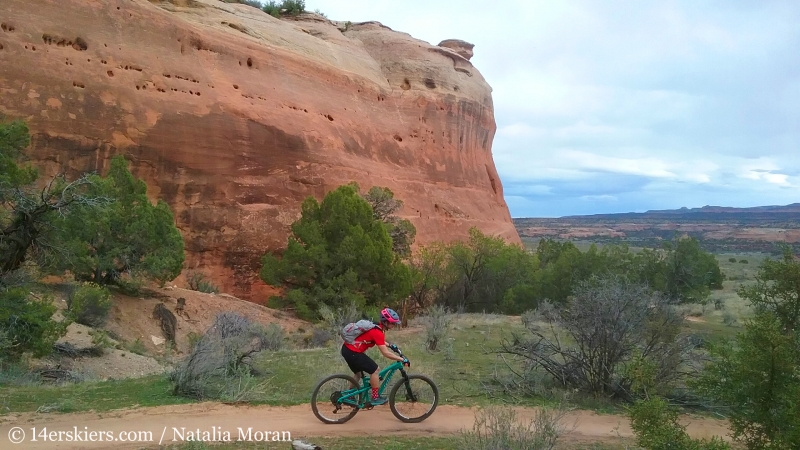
(463, 48)
(233, 117)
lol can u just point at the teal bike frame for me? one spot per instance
(360, 396)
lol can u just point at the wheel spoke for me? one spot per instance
(417, 403)
(325, 400)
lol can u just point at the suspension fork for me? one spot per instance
(408, 385)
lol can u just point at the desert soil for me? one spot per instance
(582, 426)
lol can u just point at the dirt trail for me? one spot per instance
(215, 419)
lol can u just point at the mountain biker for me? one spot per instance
(358, 361)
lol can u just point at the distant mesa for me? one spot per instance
(719, 228)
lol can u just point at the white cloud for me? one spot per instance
(658, 105)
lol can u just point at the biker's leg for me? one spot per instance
(357, 375)
(374, 379)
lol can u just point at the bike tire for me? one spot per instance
(426, 383)
(317, 404)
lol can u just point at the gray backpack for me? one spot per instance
(353, 330)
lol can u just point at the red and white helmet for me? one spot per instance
(389, 315)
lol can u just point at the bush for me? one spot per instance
(733, 260)
(89, 304)
(656, 427)
(436, 321)
(337, 254)
(334, 320)
(728, 318)
(101, 339)
(27, 325)
(127, 234)
(777, 289)
(742, 261)
(319, 338)
(497, 428)
(757, 377)
(197, 281)
(291, 7)
(222, 358)
(594, 342)
(274, 338)
(136, 347)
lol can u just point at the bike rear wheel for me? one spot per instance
(416, 404)
(325, 396)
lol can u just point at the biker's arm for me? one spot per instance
(388, 353)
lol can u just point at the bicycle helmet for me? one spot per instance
(389, 315)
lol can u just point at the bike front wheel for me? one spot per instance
(324, 400)
(415, 399)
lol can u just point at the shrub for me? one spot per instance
(294, 7)
(101, 339)
(193, 338)
(27, 324)
(742, 261)
(319, 338)
(337, 254)
(728, 318)
(126, 235)
(733, 260)
(5, 345)
(137, 347)
(274, 338)
(757, 377)
(131, 286)
(590, 342)
(223, 356)
(656, 427)
(89, 304)
(777, 289)
(333, 320)
(497, 428)
(436, 321)
(291, 7)
(197, 281)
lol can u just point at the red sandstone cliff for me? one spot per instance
(233, 117)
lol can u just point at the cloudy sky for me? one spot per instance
(623, 106)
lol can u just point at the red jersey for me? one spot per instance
(367, 340)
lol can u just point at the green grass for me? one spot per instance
(98, 396)
(737, 275)
(457, 373)
(461, 374)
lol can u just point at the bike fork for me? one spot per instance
(409, 392)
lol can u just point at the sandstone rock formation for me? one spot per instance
(233, 117)
(463, 48)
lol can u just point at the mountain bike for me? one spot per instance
(337, 398)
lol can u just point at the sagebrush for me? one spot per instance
(498, 428)
(223, 356)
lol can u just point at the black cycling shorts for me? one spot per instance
(359, 362)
